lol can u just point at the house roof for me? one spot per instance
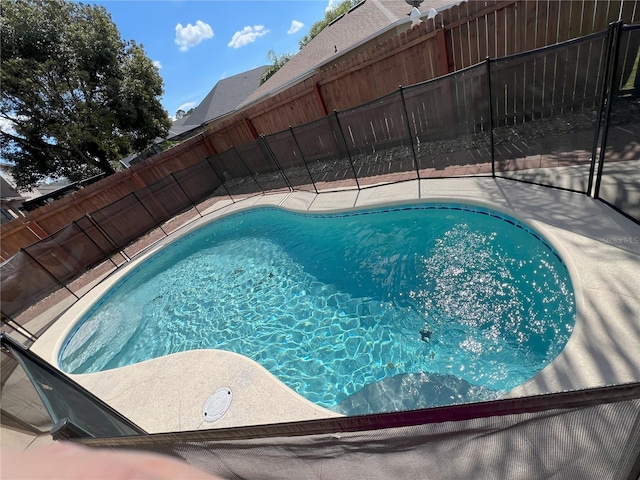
(361, 23)
(222, 99)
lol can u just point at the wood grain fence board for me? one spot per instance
(449, 40)
(15, 239)
(510, 46)
(531, 12)
(465, 53)
(501, 31)
(575, 24)
(553, 23)
(482, 38)
(542, 12)
(601, 15)
(455, 40)
(564, 21)
(587, 17)
(491, 34)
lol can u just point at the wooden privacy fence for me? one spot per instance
(459, 37)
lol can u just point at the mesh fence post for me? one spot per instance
(344, 140)
(607, 85)
(150, 214)
(248, 170)
(94, 242)
(303, 159)
(208, 159)
(107, 236)
(49, 273)
(493, 156)
(406, 117)
(267, 148)
(185, 194)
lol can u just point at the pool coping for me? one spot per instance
(599, 247)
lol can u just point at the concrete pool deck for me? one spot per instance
(600, 247)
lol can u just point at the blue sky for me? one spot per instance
(196, 43)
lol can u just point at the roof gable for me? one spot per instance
(224, 98)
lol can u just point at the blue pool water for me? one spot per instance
(420, 304)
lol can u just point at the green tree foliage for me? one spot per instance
(277, 61)
(329, 16)
(78, 97)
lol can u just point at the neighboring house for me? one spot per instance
(10, 201)
(224, 98)
(366, 24)
(15, 204)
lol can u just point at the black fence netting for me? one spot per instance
(619, 183)
(164, 199)
(324, 149)
(538, 117)
(450, 123)
(23, 283)
(236, 177)
(377, 137)
(67, 252)
(284, 148)
(545, 112)
(124, 220)
(589, 434)
(263, 167)
(200, 181)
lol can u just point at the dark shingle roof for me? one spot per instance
(222, 99)
(361, 23)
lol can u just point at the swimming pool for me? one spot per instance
(425, 298)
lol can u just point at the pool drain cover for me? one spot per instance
(217, 404)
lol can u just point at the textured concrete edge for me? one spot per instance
(478, 192)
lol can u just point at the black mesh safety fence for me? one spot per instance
(618, 183)
(450, 123)
(324, 149)
(284, 147)
(125, 220)
(67, 252)
(537, 117)
(586, 434)
(545, 112)
(236, 177)
(24, 282)
(200, 182)
(263, 167)
(377, 138)
(164, 199)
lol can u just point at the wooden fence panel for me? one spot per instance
(13, 240)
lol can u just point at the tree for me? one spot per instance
(329, 16)
(78, 97)
(277, 61)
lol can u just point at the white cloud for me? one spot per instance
(186, 106)
(332, 4)
(247, 35)
(295, 26)
(157, 64)
(192, 35)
